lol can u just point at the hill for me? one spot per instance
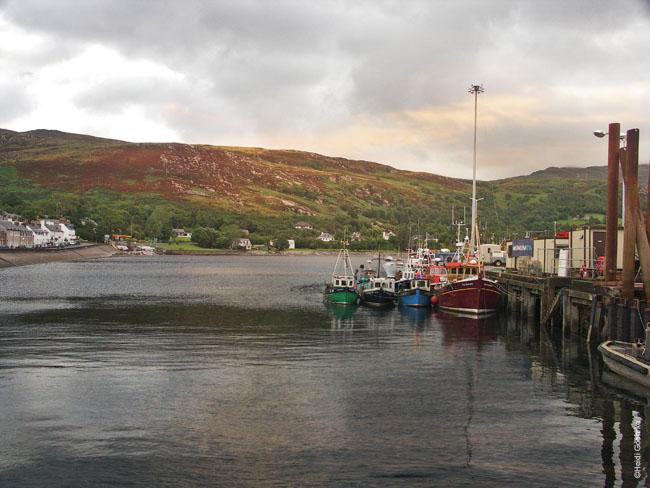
(588, 173)
(148, 188)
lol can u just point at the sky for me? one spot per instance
(384, 81)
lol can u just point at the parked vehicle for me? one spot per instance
(493, 254)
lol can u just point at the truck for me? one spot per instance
(493, 254)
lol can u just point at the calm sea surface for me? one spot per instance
(230, 371)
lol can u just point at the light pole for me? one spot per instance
(622, 138)
(475, 89)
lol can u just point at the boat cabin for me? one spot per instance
(461, 271)
(387, 284)
(343, 281)
(414, 284)
(438, 274)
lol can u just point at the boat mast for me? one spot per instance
(475, 89)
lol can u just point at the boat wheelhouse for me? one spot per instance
(414, 292)
(379, 292)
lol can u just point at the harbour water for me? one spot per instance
(230, 371)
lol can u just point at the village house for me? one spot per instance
(356, 236)
(387, 234)
(325, 237)
(40, 236)
(303, 225)
(40, 233)
(242, 242)
(59, 231)
(13, 235)
(9, 234)
(182, 233)
(55, 233)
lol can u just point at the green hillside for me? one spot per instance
(148, 189)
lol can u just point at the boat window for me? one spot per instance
(474, 270)
(338, 283)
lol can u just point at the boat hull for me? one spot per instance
(377, 298)
(474, 295)
(343, 296)
(619, 358)
(415, 298)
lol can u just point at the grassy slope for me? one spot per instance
(283, 185)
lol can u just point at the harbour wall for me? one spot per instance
(25, 257)
(587, 308)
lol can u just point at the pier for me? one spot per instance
(594, 283)
(593, 310)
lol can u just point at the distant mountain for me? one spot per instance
(588, 173)
(146, 187)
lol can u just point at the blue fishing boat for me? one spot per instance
(414, 292)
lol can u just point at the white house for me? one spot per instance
(40, 235)
(55, 233)
(325, 237)
(59, 232)
(243, 242)
(182, 233)
(69, 233)
(302, 225)
(387, 234)
(292, 243)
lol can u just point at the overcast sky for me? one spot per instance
(383, 81)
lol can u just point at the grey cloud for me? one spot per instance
(255, 66)
(14, 100)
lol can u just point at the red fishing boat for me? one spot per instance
(473, 294)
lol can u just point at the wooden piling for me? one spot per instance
(612, 319)
(629, 233)
(636, 331)
(611, 240)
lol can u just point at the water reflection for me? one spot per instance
(341, 316)
(225, 386)
(569, 367)
(475, 329)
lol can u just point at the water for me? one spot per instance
(230, 371)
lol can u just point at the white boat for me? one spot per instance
(626, 359)
(392, 266)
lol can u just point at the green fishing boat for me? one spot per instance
(342, 290)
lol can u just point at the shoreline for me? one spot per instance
(261, 253)
(11, 258)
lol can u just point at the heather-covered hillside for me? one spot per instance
(148, 189)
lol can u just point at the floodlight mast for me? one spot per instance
(474, 89)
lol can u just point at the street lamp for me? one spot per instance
(600, 134)
(474, 89)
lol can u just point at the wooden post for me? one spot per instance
(611, 239)
(612, 320)
(629, 234)
(636, 214)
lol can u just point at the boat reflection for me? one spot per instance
(417, 316)
(461, 327)
(341, 316)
